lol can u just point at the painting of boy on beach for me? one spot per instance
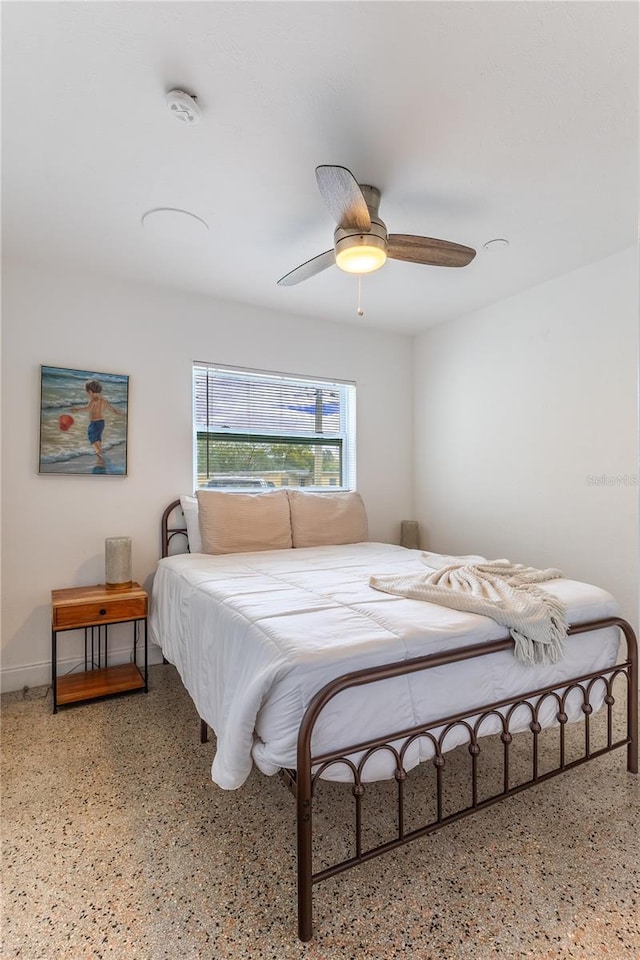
(83, 422)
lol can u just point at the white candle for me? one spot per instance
(117, 562)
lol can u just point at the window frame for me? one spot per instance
(344, 439)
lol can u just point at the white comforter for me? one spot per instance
(254, 636)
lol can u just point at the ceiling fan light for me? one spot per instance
(361, 253)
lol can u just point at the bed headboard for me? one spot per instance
(172, 525)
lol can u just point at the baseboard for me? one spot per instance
(39, 674)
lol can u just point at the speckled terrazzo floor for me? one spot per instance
(117, 845)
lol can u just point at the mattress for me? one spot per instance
(255, 635)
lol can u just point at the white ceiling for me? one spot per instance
(476, 120)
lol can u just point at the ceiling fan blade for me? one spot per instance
(308, 269)
(437, 253)
(343, 197)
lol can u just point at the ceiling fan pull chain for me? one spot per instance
(360, 310)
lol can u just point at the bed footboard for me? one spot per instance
(310, 767)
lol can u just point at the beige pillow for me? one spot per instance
(320, 519)
(244, 522)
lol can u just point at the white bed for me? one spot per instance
(299, 664)
(255, 635)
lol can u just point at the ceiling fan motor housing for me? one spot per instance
(358, 252)
(351, 245)
(377, 236)
(345, 238)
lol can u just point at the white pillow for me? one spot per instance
(322, 519)
(244, 522)
(190, 509)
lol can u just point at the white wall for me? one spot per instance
(54, 527)
(517, 407)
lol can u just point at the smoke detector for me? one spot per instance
(183, 106)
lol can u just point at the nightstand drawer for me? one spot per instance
(105, 611)
(86, 606)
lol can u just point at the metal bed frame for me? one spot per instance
(303, 780)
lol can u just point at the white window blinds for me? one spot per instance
(259, 429)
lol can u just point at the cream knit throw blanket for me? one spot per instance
(506, 592)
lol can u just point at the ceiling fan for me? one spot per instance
(361, 241)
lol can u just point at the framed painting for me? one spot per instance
(83, 422)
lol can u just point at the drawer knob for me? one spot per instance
(103, 612)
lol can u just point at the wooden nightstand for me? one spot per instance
(92, 609)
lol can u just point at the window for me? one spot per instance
(254, 430)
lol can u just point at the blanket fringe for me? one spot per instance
(506, 592)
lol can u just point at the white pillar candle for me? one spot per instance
(117, 562)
